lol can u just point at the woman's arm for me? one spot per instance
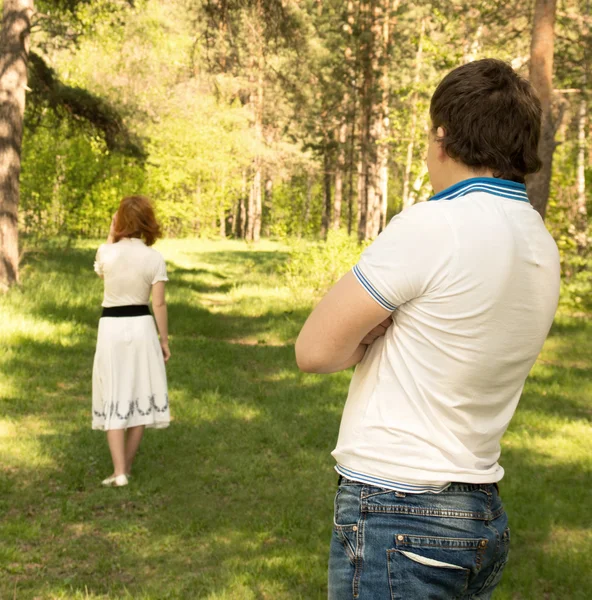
(111, 235)
(160, 315)
(338, 331)
(110, 239)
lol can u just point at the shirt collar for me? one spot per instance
(490, 185)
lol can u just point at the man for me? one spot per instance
(444, 314)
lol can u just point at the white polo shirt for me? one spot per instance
(473, 279)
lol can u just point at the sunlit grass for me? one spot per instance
(234, 500)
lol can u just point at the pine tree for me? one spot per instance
(14, 50)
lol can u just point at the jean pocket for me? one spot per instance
(432, 567)
(346, 521)
(348, 536)
(498, 568)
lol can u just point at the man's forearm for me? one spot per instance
(353, 360)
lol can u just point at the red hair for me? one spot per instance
(135, 219)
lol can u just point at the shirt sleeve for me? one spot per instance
(160, 272)
(98, 265)
(410, 258)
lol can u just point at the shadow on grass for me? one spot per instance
(262, 261)
(192, 279)
(235, 498)
(559, 392)
(195, 520)
(248, 499)
(238, 490)
(66, 261)
(550, 525)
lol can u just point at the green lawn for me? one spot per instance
(234, 500)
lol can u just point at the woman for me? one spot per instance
(129, 378)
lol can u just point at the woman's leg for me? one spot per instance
(116, 441)
(132, 443)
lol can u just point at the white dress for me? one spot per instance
(129, 386)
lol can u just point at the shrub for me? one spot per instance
(314, 267)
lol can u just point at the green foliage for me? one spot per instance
(577, 289)
(182, 77)
(297, 208)
(71, 183)
(77, 104)
(197, 160)
(314, 267)
(571, 230)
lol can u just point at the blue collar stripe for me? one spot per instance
(488, 190)
(503, 188)
(490, 187)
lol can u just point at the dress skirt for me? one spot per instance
(129, 378)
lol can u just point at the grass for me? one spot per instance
(234, 500)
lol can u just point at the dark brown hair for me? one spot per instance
(135, 219)
(491, 118)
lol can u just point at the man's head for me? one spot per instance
(487, 119)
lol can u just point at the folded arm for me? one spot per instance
(338, 331)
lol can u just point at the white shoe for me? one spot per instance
(115, 481)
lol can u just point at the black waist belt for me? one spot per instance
(131, 310)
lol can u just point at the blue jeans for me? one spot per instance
(394, 546)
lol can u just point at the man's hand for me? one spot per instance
(377, 332)
(335, 335)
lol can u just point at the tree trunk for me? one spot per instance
(383, 177)
(234, 219)
(326, 218)
(14, 50)
(366, 110)
(374, 200)
(258, 204)
(582, 216)
(222, 220)
(353, 73)
(351, 217)
(413, 127)
(374, 122)
(307, 204)
(362, 196)
(339, 175)
(254, 206)
(266, 222)
(383, 148)
(255, 203)
(242, 221)
(541, 77)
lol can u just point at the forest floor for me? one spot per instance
(234, 500)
